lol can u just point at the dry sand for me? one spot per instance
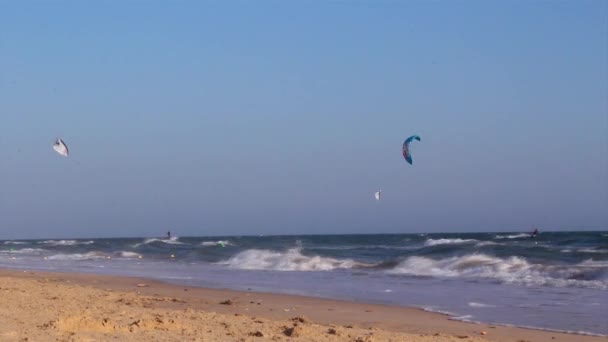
(38, 306)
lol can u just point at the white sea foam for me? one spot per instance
(435, 242)
(594, 263)
(356, 247)
(172, 241)
(291, 260)
(216, 243)
(480, 305)
(24, 251)
(512, 236)
(591, 250)
(78, 256)
(66, 242)
(14, 243)
(127, 254)
(486, 243)
(514, 270)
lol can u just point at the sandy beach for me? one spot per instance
(40, 306)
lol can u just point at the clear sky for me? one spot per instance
(284, 117)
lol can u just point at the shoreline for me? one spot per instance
(411, 322)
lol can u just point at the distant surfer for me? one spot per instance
(169, 235)
(534, 233)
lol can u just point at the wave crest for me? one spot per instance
(66, 242)
(291, 260)
(216, 243)
(513, 269)
(435, 242)
(78, 256)
(172, 241)
(512, 236)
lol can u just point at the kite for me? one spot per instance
(406, 148)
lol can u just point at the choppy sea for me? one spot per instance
(556, 281)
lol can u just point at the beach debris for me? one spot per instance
(300, 319)
(61, 148)
(377, 195)
(406, 148)
(483, 333)
(290, 331)
(256, 334)
(143, 285)
(462, 336)
(332, 331)
(227, 302)
(367, 338)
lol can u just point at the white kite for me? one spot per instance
(60, 147)
(377, 195)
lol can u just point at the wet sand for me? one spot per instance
(42, 306)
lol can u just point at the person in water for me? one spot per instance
(534, 233)
(169, 235)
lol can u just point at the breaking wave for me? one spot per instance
(291, 260)
(24, 251)
(126, 254)
(514, 270)
(216, 243)
(172, 241)
(66, 242)
(486, 243)
(14, 243)
(78, 256)
(435, 242)
(592, 250)
(512, 236)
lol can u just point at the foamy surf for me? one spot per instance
(172, 241)
(78, 256)
(480, 305)
(291, 260)
(24, 251)
(66, 242)
(514, 270)
(127, 254)
(513, 236)
(221, 243)
(435, 242)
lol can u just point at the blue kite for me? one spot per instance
(406, 148)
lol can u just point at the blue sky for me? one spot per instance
(274, 117)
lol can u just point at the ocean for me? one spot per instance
(556, 281)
